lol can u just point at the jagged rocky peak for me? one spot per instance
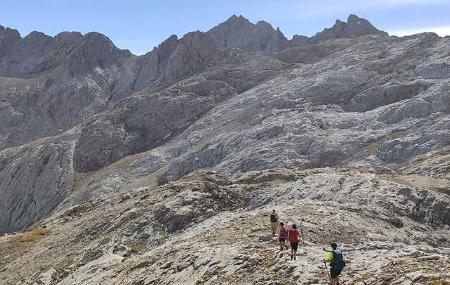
(30, 56)
(298, 40)
(166, 47)
(176, 58)
(180, 57)
(354, 27)
(357, 26)
(95, 49)
(239, 32)
(200, 43)
(38, 53)
(8, 38)
(68, 37)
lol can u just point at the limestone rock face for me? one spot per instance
(35, 179)
(89, 74)
(175, 59)
(8, 38)
(50, 84)
(94, 50)
(153, 64)
(38, 53)
(143, 122)
(238, 32)
(147, 120)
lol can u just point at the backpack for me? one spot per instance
(338, 260)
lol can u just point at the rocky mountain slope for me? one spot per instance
(161, 168)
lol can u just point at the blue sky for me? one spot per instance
(140, 25)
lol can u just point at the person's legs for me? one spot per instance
(294, 250)
(282, 243)
(334, 276)
(274, 228)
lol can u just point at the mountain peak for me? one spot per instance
(236, 18)
(35, 35)
(353, 18)
(239, 32)
(8, 38)
(354, 27)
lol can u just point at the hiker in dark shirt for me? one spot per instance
(274, 222)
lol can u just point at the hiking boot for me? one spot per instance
(292, 256)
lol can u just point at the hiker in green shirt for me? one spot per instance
(337, 263)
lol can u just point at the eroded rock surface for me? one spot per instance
(213, 228)
(36, 178)
(161, 169)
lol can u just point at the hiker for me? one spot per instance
(283, 236)
(274, 222)
(337, 263)
(294, 239)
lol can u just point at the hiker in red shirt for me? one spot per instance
(283, 236)
(294, 239)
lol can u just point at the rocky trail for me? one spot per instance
(210, 229)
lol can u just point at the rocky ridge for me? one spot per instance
(353, 28)
(348, 129)
(210, 228)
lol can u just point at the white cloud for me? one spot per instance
(441, 31)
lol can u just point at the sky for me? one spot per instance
(139, 25)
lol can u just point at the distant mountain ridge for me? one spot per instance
(236, 32)
(239, 32)
(70, 77)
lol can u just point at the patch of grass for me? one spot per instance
(205, 146)
(141, 265)
(34, 235)
(268, 263)
(267, 253)
(138, 246)
(13, 246)
(439, 282)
